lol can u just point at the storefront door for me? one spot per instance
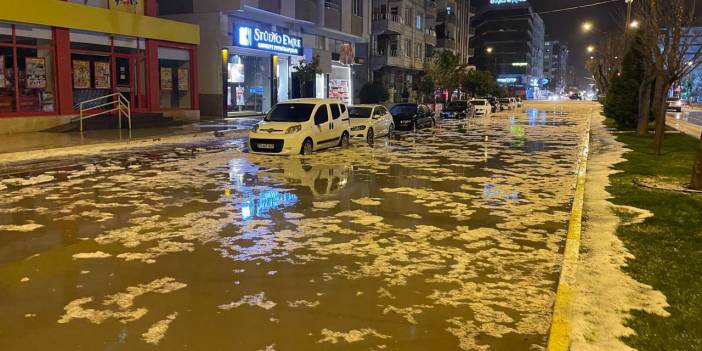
(126, 78)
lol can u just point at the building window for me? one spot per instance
(357, 8)
(175, 77)
(26, 69)
(419, 22)
(408, 48)
(248, 83)
(418, 51)
(408, 16)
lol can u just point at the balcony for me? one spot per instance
(306, 10)
(385, 23)
(446, 17)
(393, 57)
(446, 43)
(430, 36)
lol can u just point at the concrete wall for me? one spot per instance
(13, 125)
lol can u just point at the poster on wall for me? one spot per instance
(166, 78)
(183, 79)
(3, 83)
(102, 75)
(236, 73)
(81, 74)
(339, 89)
(36, 72)
(240, 101)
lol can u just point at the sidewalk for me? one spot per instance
(37, 145)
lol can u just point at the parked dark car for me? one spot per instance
(458, 109)
(409, 116)
(576, 97)
(495, 103)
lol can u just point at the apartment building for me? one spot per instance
(403, 38)
(55, 54)
(249, 49)
(509, 42)
(453, 27)
(556, 65)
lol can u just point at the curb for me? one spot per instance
(561, 324)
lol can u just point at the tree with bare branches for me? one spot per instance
(606, 59)
(672, 45)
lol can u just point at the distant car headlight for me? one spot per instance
(293, 129)
(678, 103)
(255, 128)
(357, 128)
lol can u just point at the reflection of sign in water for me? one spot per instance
(260, 206)
(518, 136)
(36, 72)
(81, 74)
(102, 75)
(267, 40)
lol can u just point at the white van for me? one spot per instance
(301, 126)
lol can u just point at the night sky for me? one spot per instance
(566, 26)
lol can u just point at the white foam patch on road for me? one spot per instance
(351, 336)
(29, 227)
(258, 300)
(157, 332)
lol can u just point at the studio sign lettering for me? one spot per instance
(268, 40)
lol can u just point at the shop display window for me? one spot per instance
(249, 83)
(174, 77)
(27, 82)
(92, 77)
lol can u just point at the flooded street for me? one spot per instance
(436, 240)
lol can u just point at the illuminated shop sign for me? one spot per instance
(254, 38)
(506, 2)
(509, 80)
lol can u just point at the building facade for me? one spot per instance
(509, 42)
(56, 54)
(249, 50)
(453, 27)
(556, 65)
(403, 38)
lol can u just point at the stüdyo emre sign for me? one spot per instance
(255, 38)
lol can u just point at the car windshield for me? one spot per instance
(672, 99)
(290, 113)
(360, 112)
(505, 100)
(457, 104)
(478, 102)
(403, 110)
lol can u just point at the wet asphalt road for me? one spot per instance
(445, 240)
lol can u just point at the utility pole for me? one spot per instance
(628, 13)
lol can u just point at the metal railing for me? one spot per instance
(105, 105)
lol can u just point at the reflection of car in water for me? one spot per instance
(321, 179)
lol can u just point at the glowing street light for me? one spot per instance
(634, 24)
(590, 49)
(587, 27)
(489, 50)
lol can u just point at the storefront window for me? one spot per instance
(283, 75)
(249, 87)
(7, 82)
(26, 69)
(175, 77)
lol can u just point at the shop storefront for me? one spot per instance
(259, 67)
(48, 69)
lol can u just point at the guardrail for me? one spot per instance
(106, 105)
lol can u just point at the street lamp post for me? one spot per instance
(489, 51)
(628, 12)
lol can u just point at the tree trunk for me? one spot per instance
(659, 111)
(696, 182)
(644, 108)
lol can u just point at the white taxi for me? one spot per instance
(301, 126)
(370, 121)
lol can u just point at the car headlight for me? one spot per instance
(678, 103)
(357, 128)
(293, 129)
(255, 128)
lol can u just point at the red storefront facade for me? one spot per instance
(47, 71)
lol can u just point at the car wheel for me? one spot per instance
(370, 136)
(344, 142)
(307, 147)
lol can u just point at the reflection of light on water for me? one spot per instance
(496, 197)
(259, 206)
(518, 136)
